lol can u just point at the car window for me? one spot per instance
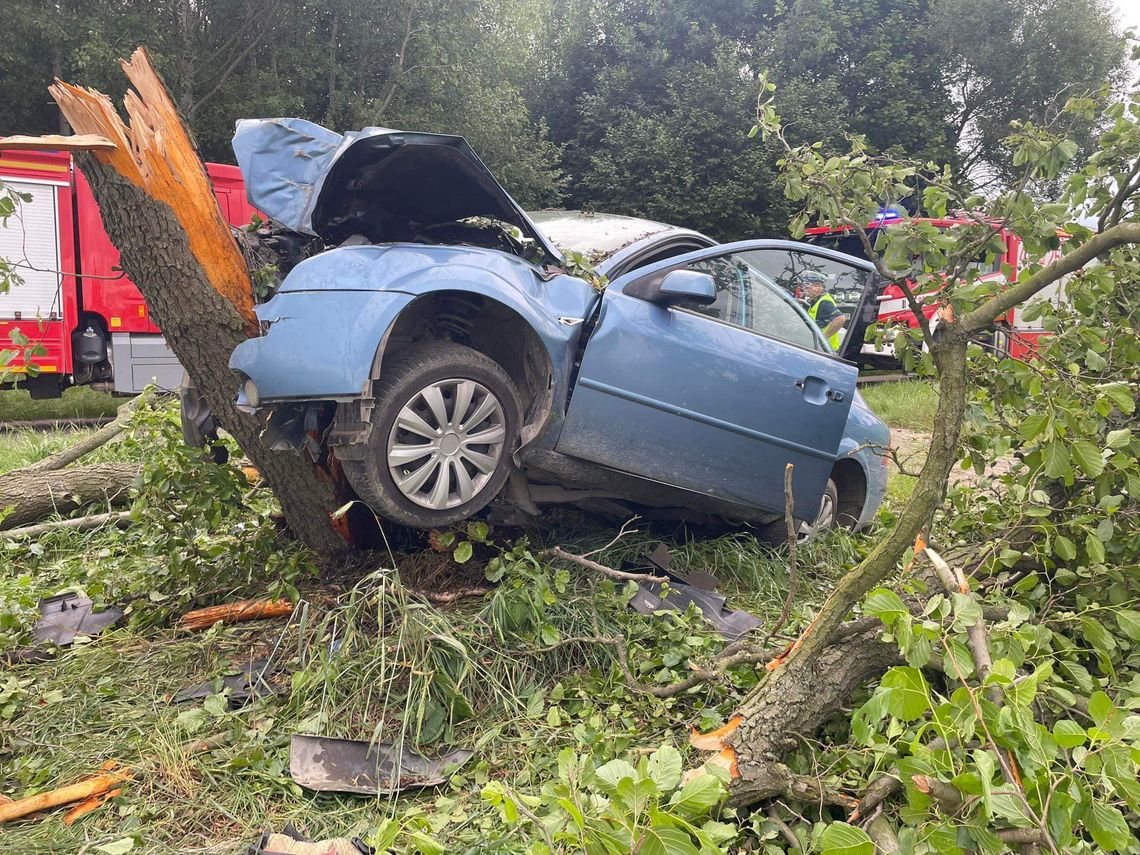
(748, 298)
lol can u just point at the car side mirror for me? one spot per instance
(686, 286)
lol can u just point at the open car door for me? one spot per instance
(717, 392)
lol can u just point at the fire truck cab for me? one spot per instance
(90, 322)
(1012, 336)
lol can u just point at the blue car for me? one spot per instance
(451, 350)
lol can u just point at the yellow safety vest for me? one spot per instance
(833, 340)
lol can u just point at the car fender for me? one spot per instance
(333, 313)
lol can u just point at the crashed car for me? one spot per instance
(442, 348)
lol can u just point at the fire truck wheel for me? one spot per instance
(444, 426)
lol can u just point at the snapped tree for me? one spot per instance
(158, 208)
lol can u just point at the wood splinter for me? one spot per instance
(239, 612)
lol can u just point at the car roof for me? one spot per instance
(596, 234)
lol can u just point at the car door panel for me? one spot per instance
(673, 395)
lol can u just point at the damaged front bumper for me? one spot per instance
(317, 345)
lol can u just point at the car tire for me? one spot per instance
(462, 476)
(825, 520)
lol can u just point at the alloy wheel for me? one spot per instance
(446, 443)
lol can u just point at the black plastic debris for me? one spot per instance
(352, 766)
(67, 615)
(245, 684)
(698, 588)
(289, 841)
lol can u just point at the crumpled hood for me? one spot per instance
(376, 181)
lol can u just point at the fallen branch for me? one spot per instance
(245, 610)
(89, 443)
(793, 538)
(561, 554)
(29, 495)
(77, 792)
(948, 797)
(119, 518)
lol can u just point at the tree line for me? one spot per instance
(629, 106)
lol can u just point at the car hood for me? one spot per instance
(378, 181)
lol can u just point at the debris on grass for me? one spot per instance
(110, 778)
(354, 766)
(243, 684)
(289, 841)
(70, 614)
(245, 610)
(698, 589)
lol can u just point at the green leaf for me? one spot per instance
(463, 552)
(1032, 425)
(885, 604)
(1107, 826)
(665, 840)
(1064, 548)
(907, 692)
(1129, 622)
(664, 768)
(698, 796)
(1056, 459)
(1100, 707)
(1068, 734)
(841, 838)
(610, 775)
(1088, 457)
(1118, 438)
(117, 847)
(1094, 548)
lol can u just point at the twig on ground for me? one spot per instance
(443, 598)
(784, 828)
(793, 568)
(235, 613)
(120, 519)
(561, 554)
(622, 532)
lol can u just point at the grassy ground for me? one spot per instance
(76, 402)
(360, 659)
(908, 404)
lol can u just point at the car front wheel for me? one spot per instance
(444, 426)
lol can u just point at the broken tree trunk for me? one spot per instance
(32, 494)
(159, 210)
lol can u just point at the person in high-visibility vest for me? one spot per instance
(822, 307)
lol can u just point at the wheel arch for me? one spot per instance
(851, 489)
(488, 325)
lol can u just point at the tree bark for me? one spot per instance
(32, 494)
(158, 209)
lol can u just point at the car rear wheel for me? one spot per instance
(444, 426)
(826, 518)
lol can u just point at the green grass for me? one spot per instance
(21, 448)
(907, 404)
(76, 402)
(361, 659)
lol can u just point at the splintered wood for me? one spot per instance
(155, 153)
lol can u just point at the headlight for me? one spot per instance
(249, 391)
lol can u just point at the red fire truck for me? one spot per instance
(1013, 335)
(89, 320)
